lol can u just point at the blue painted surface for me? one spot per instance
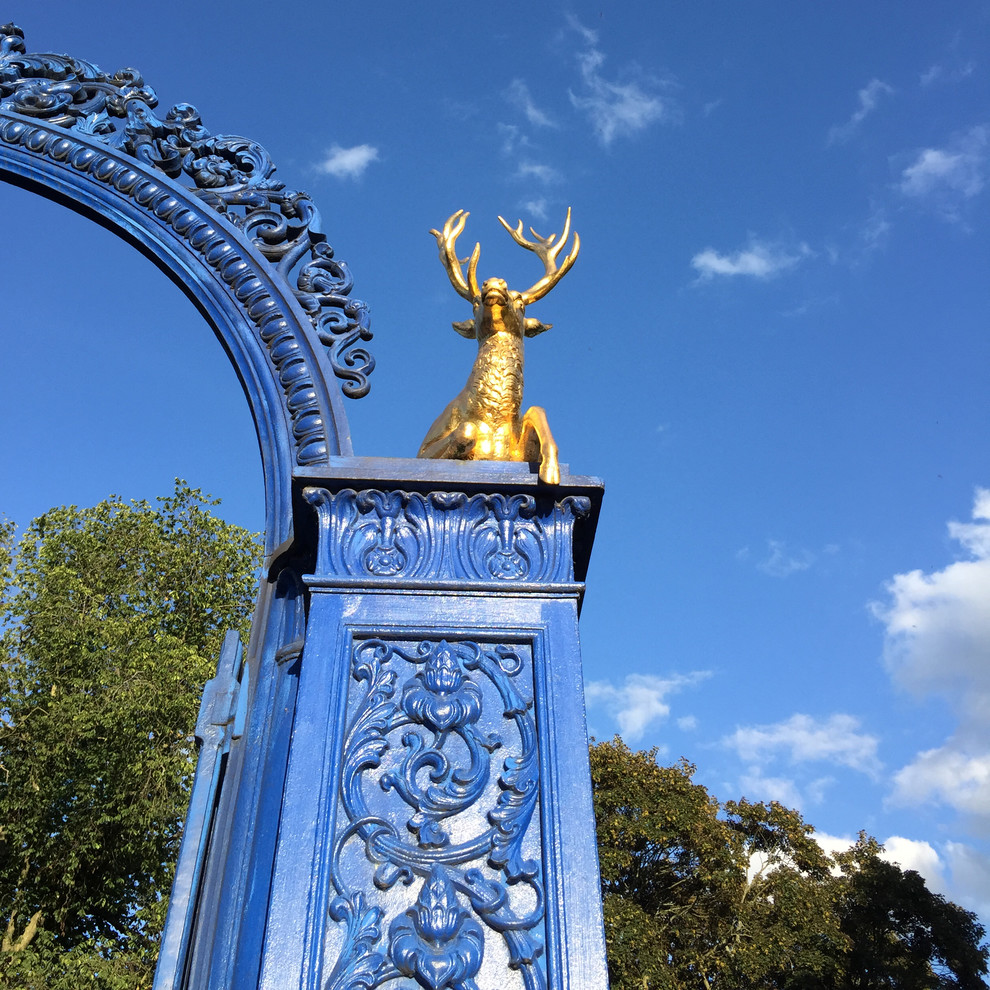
(438, 764)
(410, 801)
(393, 784)
(217, 726)
(205, 208)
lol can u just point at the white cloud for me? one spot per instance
(782, 562)
(756, 786)
(518, 94)
(802, 739)
(969, 870)
(348, 163)
(938, 624)
(869, 97)
(956, 870)
(946, 776)
(908, 854)
(874, 232)
(589, 36)
(917, 855)
(512, 139)
(935, 167)
(535, 208)
(640, 700)
(833, 844)
(619, 108)
(687, 723)
(937, 642)
(538, 171)
(939, 73)
(757, 260)
(945, 177)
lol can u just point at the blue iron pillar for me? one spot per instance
(408, 801)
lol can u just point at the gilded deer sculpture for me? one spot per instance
(483, 422)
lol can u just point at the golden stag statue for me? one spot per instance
(482, 422)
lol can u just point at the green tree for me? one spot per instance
(902, 934)
(741, 896)
(110, 623)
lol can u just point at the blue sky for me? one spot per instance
(773, 347)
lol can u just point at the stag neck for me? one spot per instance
(496, 380)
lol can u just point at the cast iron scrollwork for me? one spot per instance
(445, 535)
(440, 795)
(233, 175)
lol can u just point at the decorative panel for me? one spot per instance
(436, 854)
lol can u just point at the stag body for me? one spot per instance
(483, 421)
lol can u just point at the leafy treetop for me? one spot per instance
(741, 896)
(111, 619)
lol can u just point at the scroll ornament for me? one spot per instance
(233, 175)
(419, 810)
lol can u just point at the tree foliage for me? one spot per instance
(110, 622)
(741, 896)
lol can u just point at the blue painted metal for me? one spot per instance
(411, 797)
(247, 251)
(438, 766)
(393, 784)
(219, 724)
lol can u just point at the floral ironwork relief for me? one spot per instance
(439, 791)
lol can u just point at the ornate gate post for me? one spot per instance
(437, 804)
(408, 799)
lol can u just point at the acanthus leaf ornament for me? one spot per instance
(234, 175)
(431, 793)
(445, 536)
(360, 963)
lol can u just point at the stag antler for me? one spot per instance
(547, 251)
(446, 241)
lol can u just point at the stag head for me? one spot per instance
(496, 306)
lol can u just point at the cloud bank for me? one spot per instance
(937, 642)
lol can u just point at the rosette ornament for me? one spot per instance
(442, 698)
(436, 941)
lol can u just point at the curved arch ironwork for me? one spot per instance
(246, 250)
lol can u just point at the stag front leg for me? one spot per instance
(537, 442)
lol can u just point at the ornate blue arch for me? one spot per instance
(206, 209)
